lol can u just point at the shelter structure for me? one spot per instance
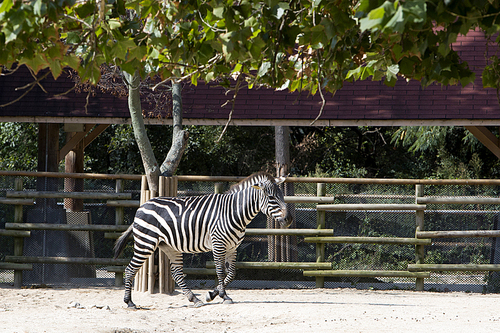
(361, 103)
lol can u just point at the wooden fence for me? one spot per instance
(145, 280)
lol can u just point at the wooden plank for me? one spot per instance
(371, 207)
(68, 175)
(11, 201)
(15, 233)
(297, 199)
(368, 240)
(459, 200)
(15, 266)
(70, 195)
(278, 265)
(73, 142)
(67, 260)
(366, 273)
(199, 271)
(454, 267)
(458, 233)
(487, 138)
(288, 232)
(65, 227)
(124, 203)
(94, 134)
(116, 269)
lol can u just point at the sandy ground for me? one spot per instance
(274, 310)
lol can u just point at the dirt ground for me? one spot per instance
(271, 310)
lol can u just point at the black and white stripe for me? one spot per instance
(214, 222)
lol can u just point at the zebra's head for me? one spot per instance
(273, 202)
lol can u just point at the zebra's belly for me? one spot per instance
(191, 247)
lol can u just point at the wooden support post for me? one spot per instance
(321, 224)
(218, 188)
(119, 220)
(18, 241)
(419, 249)
(139, 275)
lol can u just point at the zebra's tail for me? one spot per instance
(120, 242)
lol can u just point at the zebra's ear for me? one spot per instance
(257, 187)
(280, 180)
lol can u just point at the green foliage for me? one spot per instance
(18, 146)
(242, 150)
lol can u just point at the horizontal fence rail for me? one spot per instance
(67, 195)
(368, 240)
(66, 260)
(278, 265)
(371, 207)
(366, 273)
(458, 234)
(65, 227)
(459, 200)
(454, 267)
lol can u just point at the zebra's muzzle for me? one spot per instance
(285, 220)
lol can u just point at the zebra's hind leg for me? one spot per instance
(140, 255)
(178, 274)
(130, 272)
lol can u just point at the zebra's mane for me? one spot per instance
(251, 180)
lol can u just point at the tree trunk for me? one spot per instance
(134, 104)
(179, 136)
(284, 245)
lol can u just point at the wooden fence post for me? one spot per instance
(419, 249)
(18, 241)
(321, 224)
(119, 220)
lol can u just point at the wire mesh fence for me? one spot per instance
(343, 256)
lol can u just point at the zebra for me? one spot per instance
(213, 222)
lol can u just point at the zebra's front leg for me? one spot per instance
(226, 271)
(176, 270)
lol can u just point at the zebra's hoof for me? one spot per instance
(210, 296)
(131, 306)
(227, 301)
(198, 304)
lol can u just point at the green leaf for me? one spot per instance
(264, 68)
(280, 9)
(36, 63)
(55, 67)
(114, 23)
(121, 47)
(392, 72)
(219, 12)
(6, 6)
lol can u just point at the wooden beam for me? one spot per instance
(72, 195)
(454, 267)
(278, 265)
(368, 240)
(65, 227)
(486, 137)
(370, 207)
(71, 144)
(94, 134)
(458, 234)
(366, 273)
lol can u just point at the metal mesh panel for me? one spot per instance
(86, 244)
(443, 217)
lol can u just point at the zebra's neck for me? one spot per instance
(247, 205)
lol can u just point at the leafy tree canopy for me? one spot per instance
(295, 44)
